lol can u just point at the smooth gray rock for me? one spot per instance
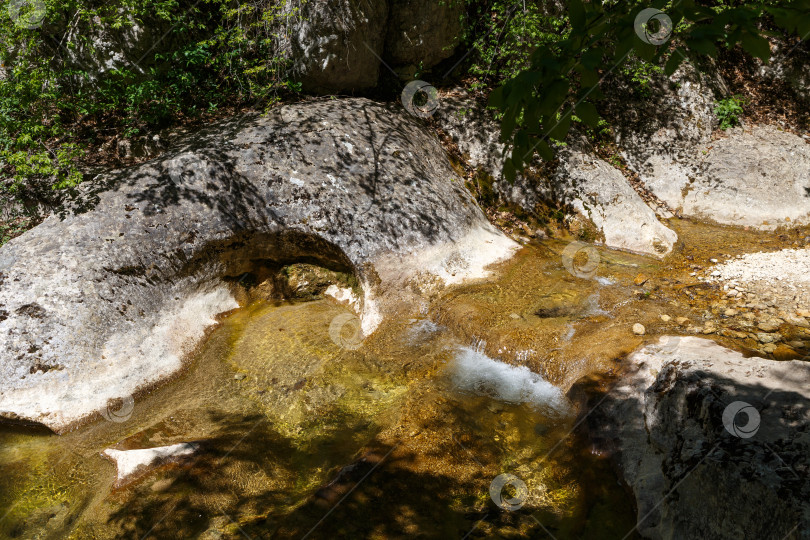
(99, 305)
(601, 193)
(665, 424)
(336, 44)
(758, 178)
(661, 136)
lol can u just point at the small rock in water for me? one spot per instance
(639, 329)
(682, 320)
(239, 376)
(641, 279)
(666, 318)
(715, 261)
(730, 312)
(784, 352)
(768, 326)
(514, 315)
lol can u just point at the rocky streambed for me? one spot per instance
(303, 325)
(288, 422)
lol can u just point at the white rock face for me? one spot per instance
(758, 178)
(130, 463)
(601, 193)
(594, 188)
(713, 445)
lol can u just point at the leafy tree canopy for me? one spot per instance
(562, 77)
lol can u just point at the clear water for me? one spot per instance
(402, 436)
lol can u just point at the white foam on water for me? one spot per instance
(592, 305)
(421, 331)
(473, 371)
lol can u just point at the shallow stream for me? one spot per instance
(305, 433)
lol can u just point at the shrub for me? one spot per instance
(728, 111)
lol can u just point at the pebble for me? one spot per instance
(803, 313)
(768, 326)
(764, 338)
(666, 318)
(730, 312)
(239, 376)
(682, 320)
(715, 261)
(641, 279)
(514, 315)
(638, 329)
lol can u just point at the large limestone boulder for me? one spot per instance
(107, 299)
(336, 44)
(600, 192)
(757, 177)
(712, 444)
(660, 135)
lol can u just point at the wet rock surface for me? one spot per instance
(134, 463)
(712, 444)
(110, 296)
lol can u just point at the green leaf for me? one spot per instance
(544, 150)
(756, 46)
(576, 13)
(509, 171)
(588, 113)
(703, 46)
(560, 128)
(675, 59)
